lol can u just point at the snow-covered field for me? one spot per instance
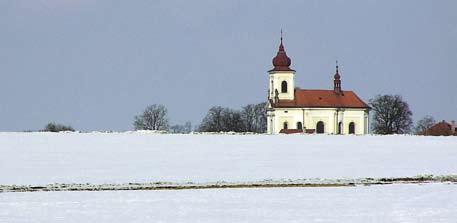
(391, 203)
(140, 158)
(44, 158)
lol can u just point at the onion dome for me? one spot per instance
(281, 62)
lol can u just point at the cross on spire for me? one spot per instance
(281, 35)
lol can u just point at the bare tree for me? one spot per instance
(248, 113)
(55, 127)
(261, 117)
(154, 117)
(251, 118)
(219, 119)
(212, 122)
(255, 117)
(232, 121)
(186, 128)
(391, 115)
(425, 123)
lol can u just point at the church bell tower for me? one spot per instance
(281, 81)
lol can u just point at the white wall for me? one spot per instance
(311, 116)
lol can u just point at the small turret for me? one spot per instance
(337, 81)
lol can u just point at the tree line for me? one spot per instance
(390, 115)
(250, 118)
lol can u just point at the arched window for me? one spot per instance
(320, 127)
(340, 128)
(351, 128)
(285, 125)
(299, 125)
(284, 87)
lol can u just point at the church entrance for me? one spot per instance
(285, 126)
(299, 125)
(351, 128)
(320, 127)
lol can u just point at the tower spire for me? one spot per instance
(281, 62)
(281, 47)
(281, 35)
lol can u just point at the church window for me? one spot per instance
(351, 128)
(284, 87)
(340, 128)
(320, 127)
(285, 125)
(299, 125)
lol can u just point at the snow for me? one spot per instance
(44, 158)
(64, 161)
(391, 203)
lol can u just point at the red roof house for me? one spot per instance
(441, 129)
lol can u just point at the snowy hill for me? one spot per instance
(118, 160)
(44, 158)
(393, 203)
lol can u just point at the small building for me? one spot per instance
(441, 129)
(293, 110)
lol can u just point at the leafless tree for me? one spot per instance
(232, 121)
(219, 119)
(255, 117)
(212, 122)
(186, 128)
(425, 123)
(261, 117)
(55, 127)
(391, 115)
(251, 118)
(154, 117)
(248, 113)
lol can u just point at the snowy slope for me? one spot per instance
(43, 158)
(392, 203)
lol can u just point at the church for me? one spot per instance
(293, 110)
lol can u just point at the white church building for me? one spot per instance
(293, 110)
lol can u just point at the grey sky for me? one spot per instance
(96, 64)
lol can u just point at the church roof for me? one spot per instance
(322, 99)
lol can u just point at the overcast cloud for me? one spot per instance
(96, 64)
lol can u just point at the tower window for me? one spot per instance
(285, 125)
(284, 87)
